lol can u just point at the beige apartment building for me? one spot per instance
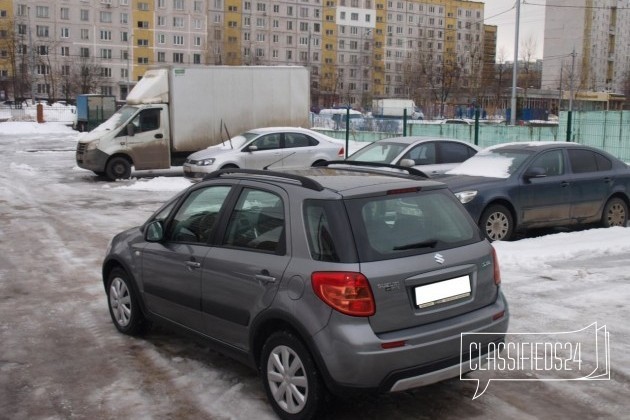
(356, 50)
(589, 39)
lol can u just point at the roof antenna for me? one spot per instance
(228, 134)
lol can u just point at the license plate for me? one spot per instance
(443, 291)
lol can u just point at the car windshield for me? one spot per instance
(379, 152)
(118, 119)
(492, 163)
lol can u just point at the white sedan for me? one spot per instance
(271, 147)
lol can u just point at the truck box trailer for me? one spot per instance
(173, 112)
(395, 108)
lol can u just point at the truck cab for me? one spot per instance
(136, 135)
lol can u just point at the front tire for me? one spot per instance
(615, 213)
(118, 168)
(290, 377)
(497, 223)
(123, 304)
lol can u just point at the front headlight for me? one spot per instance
(92, 145)
(466, 196)
(205, 162)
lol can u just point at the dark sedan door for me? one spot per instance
(591, 183)
(546, 200)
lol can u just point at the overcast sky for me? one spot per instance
(502, 13)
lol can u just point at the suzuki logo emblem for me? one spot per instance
(439, 258)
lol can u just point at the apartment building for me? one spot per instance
(356, 50)
(598, 31)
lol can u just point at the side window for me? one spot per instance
(268, 142)
(298, 140)
(257, 222)
(603, 163)
(454, 152)
(318, 230)
(582, 161)
(552, 162)
(147, 120)
(197, 217)
(422, 154)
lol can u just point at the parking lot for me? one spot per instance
(61, 357)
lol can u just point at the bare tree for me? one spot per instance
(87, 76)
(13, 42)
(440, 78)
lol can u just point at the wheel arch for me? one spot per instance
(110, 265)
(274, 321)
(505, 203)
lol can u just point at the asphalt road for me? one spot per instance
(61, 357)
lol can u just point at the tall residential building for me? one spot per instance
(598, 31)
(356, 50)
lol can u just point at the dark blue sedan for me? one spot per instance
(517, 186)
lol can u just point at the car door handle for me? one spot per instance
(159, 136)
(264, 277)
(191, 265)
(564, 184)
(607, 180)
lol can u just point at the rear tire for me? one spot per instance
(290, 377)
(118, 168)
(123, 304)
(615, 213)
(497, 223)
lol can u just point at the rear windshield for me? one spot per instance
(400, 225)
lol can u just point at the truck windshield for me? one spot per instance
(118, 119)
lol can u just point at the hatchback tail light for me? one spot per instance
(346, 292)
(495, 264)
(341, 153)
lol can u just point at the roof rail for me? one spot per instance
(410, 171)
(304, 181)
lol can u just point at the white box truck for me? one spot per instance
(173, 112)
(395, 108)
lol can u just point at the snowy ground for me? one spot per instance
(60, 356)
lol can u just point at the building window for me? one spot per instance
(178, 40)
(143, 60)
(143, 24)
(84, 52)
(178, 22)
(64, 13)
(196, 58)
(65, 51)
(178, 4)
(178, 58)
(161, 38)
(161, 57)
(85, 15)
(106, 72)
(124, 18)
(65, 32)
(106, 53)
(85, 34)
(41, 12)
(42, 31)
(143, 6)
(143, 42)
(106, 17)
(106, 35)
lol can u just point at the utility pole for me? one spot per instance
(31, 56)
(570, 114)
(515, 66)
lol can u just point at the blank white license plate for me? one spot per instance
(443, 291)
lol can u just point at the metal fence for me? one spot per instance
(607, 130)
(65, 114)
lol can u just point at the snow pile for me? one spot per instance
(26, 127)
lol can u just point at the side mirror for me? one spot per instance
(131, 129)
(535, 172)
(252, 148)
(154, 231)
(407, 163)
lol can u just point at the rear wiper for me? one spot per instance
(430, 243)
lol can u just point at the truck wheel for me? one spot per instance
(290, 377)
(123, 304)
(496, 223)
(118, 168)
(615, 213)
